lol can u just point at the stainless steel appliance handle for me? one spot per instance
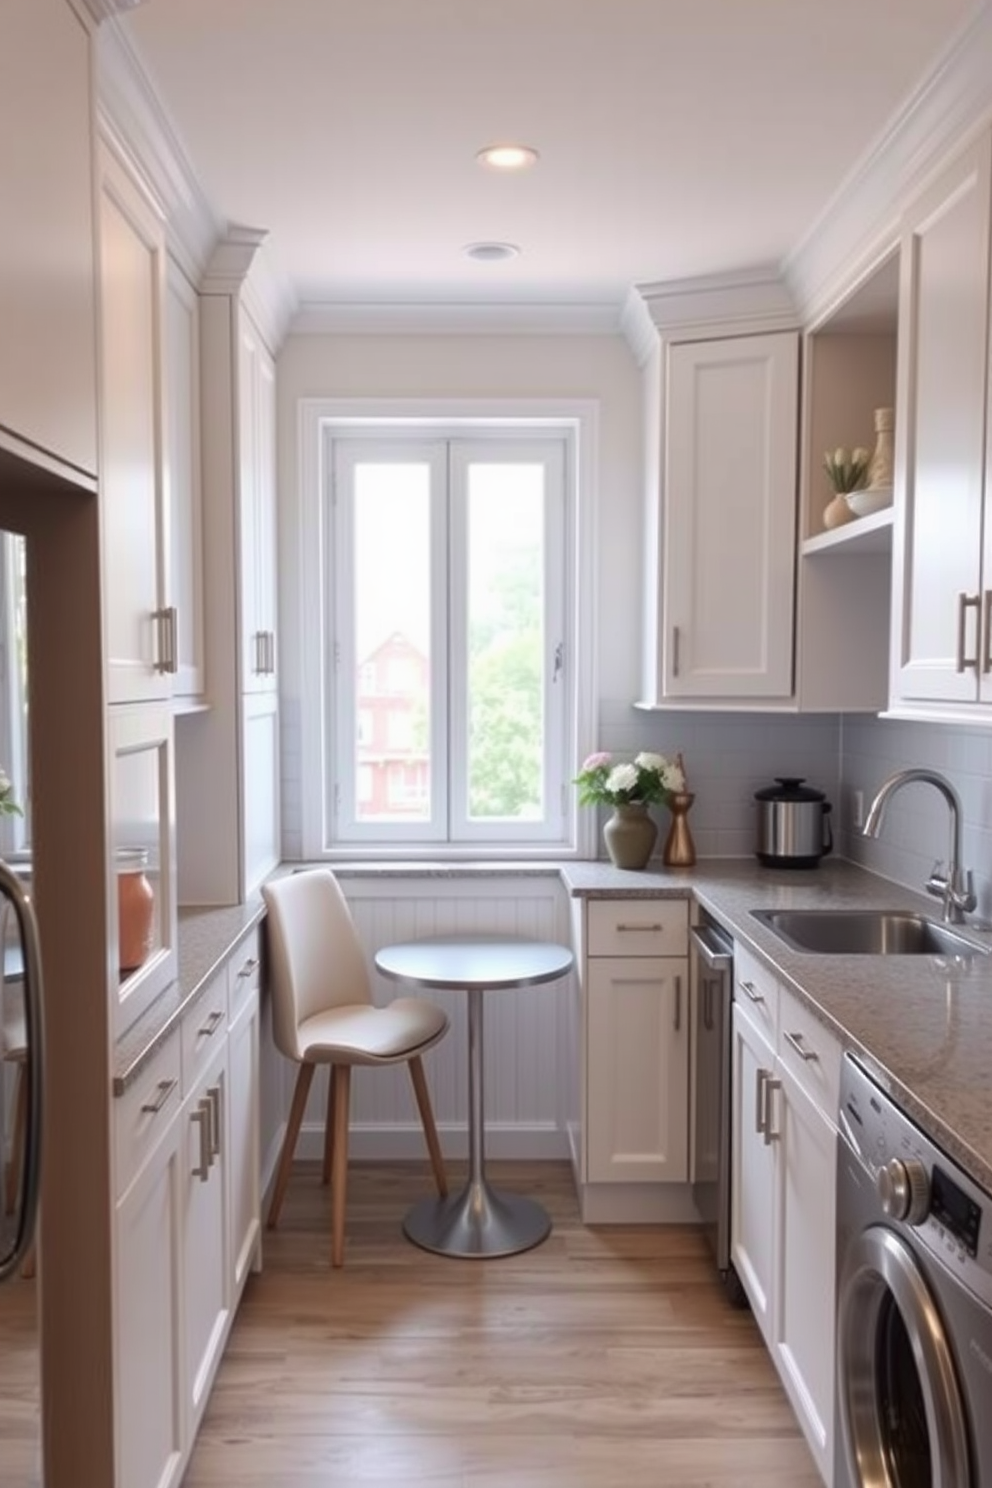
(714, 949)
(27, 1201)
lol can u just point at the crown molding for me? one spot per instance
(239, 266)
(950, 106)
(102, 10)
(455, 319)
(751, 300)
(638, 328)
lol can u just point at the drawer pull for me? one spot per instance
(208, 1029)
(751, 992)
(798, 1043)
(249, 967)
(202, 1118)
(165, 1089)
(653, 929)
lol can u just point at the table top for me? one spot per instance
(464, 962)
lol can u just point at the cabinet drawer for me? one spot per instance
(143, 1113)
(638, 927)
(757, 990)
(811, 1052)
(244, 973)
(204, 1026)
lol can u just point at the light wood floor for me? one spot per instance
(605, 1358)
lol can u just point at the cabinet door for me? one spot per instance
(637, 1069)
(256, 417)
(184, 493)
(940, 428)
(753, 1198)
(730, 517)
(140, 652)
(260, 803)
(806, 1153)
(243, 1144)
(205, 1122)
(148, 1323)
(47, 301)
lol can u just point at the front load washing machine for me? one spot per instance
(914, 1303)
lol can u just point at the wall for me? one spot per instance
(915, 830)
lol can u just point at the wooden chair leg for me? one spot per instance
(325, 1176)
(296, 1110)
(420, 1090)
(17, 1136)
(339, 1162)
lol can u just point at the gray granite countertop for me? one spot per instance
(922, 1023)
(207, 937)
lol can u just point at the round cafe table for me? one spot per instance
(480, 1221)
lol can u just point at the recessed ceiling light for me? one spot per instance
(507, 157)
(491, 252)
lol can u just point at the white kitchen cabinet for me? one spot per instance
(205, 1137)
(148, 1317)
(260, 799)
(785, 1089)
(47, 299)
(941, 658)
(243, 1158)
(182, 344)
(256, 437)
(633, 972)
(725, 608)
(139, 620)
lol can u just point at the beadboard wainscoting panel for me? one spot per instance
(524, 1040)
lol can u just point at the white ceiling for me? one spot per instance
(677, 137)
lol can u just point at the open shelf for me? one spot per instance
(871, 534)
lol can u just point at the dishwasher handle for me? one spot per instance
(713, 947)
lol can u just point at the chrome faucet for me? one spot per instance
(955, 888)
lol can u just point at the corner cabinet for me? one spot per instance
(941, 661)
(724, 610)
(634, 1056)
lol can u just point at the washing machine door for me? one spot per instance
(901, 1414)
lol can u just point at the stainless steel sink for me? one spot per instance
(867, 932)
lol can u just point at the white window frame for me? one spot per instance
(319, 422)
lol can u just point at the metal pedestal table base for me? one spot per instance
(479, 1221)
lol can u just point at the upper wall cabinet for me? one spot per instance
(182, 344)
(729, 520)
(47, 302)
(140, 624)
(941, 659)
(257, 511)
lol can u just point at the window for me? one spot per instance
(448, 570)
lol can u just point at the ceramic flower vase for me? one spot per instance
(837, 512)
(679, 850)
(630, 836)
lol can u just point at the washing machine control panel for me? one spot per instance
(916, 1182)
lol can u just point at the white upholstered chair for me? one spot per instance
(323, 1013)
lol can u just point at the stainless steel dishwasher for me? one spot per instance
(712, 1000)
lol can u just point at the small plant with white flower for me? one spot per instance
(847, 470)
(649, 780)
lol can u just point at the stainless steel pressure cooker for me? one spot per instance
(793, 824)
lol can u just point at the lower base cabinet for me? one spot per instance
(187, 1222)
(784, 1167)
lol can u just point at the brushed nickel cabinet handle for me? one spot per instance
(799, 1044)
(761, 1080)
(165, 1089)
(750, 991)
(259, 642)
(248, 969)
(987, 632)
(770, 1087)
(678, 1004)
(272, 653)
(967, 602)
(201, 1116)
(216, 1131)
(208, 1029)
(655, 928)
(676, 644)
